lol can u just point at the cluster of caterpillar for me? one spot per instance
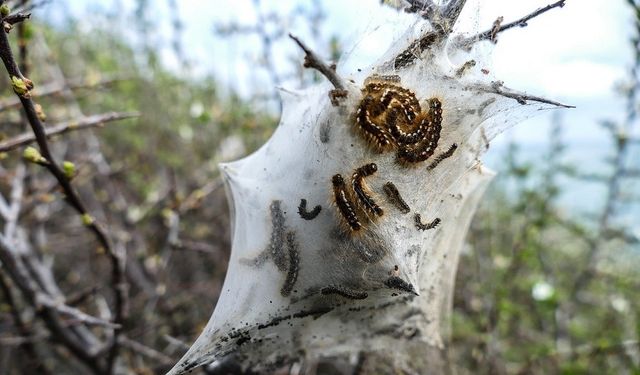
(354, 201)
(390, 118)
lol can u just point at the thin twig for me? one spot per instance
(145, 350)
(520, 97)
(311, 60)
(56, 88)
(75, 314)
(85, 123)
(14, 18)
(522, 22)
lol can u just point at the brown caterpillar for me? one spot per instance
(360, 190)
(402, 137)
(308, 215)
(443, 156)
(344, 292)
(373, 132)
(427, 146)
(421, 226)
(390, 117)
(343, 202)
(294, 264)
(395, 198)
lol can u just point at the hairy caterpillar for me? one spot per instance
(357, 183)
(344, 204)
(390, 117)
(443, 156)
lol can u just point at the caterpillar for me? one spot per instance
(390, 117)
(294, 264)
(360, 190)
(373, 132)
(344, 204)
(394, 282)
(421, 226)
(276, 242)
(344, 292)
(427, 146)
(443, 156)
(393, 195)
(308, 215)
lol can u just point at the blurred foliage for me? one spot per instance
(521, 304)
(160, 194)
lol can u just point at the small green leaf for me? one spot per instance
(87, 219)
(69, 169)
(4, 10)
(32, 155)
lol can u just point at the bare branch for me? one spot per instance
(85, 123)
(74, 313)
(522, 22)
(520, 97)
(145, 350)
(12, 19)
(311, 60)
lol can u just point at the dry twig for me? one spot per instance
(311, 60)
(85, 123)
(494, 31)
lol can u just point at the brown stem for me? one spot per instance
(85, 123)
(311, 60)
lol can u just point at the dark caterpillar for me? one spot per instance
(344, 292)
(344, 204)
(427, 146)
(360, 190)
(421, 226)
(308, 215)
(294, 264)
(393, 195)
(443, 156)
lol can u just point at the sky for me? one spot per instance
(577, 54)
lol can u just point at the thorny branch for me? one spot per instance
(522, 22)
(22, 87)
(85, 123)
